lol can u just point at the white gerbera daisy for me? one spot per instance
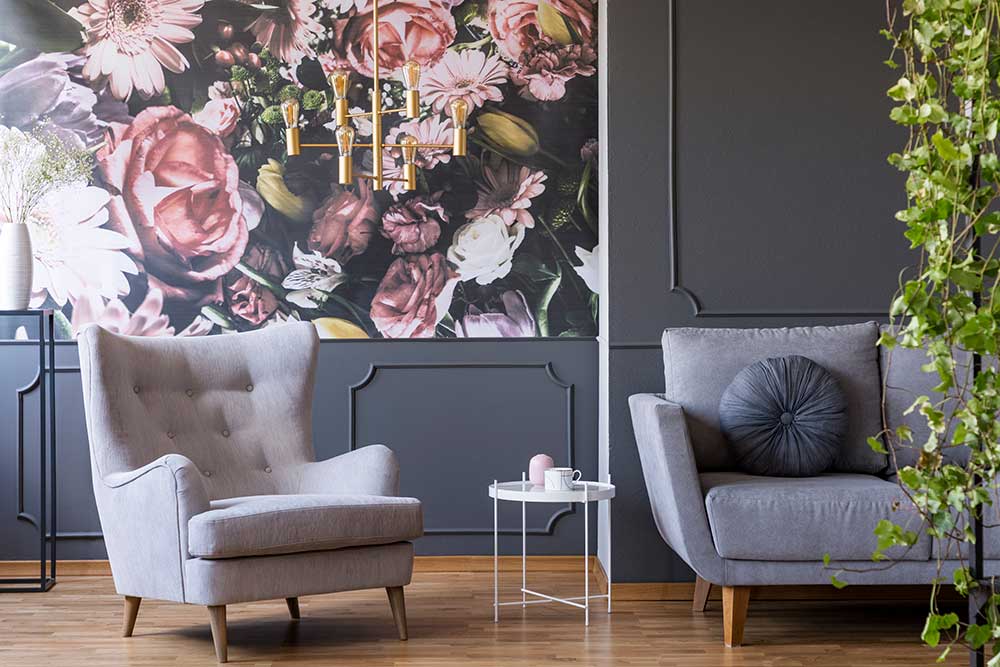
(74, 254)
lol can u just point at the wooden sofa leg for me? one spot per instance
(398, 605)
(217, 614)
(131, 611)
(293, 608)
(734, 613)
(702, 589)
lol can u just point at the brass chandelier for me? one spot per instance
(339, 81)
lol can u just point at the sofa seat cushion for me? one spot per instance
(801, 519)
(268, 525)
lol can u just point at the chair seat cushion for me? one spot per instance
(268, 525)
(801, 519)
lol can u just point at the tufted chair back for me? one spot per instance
(239, 406)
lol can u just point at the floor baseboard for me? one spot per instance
(666, 591)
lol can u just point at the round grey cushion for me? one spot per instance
(785, 416)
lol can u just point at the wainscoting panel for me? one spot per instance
(780, 203)
(456, 413)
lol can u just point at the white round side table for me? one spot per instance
(525, 492)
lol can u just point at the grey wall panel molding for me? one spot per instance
(550, 376)
(22, 515)
(676, 168)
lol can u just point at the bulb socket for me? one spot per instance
(292, 140)
(413, 104)
(410, 174)
(340, 108)
(459, 140)
(346, 163)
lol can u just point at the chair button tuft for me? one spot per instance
(189, 392)
(249, 387)
(208, 473)
(136, 389)
(170, 434)
(267, 469)
(225, 433)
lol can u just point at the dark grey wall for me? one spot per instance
(456, 413)
(781, 214)
(747, 186)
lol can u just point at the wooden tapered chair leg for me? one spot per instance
(702, 589)
(293, 607)
(217, 614)
(398, 605)
(734, 613)
(131, 611)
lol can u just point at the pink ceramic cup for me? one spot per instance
(537, 467)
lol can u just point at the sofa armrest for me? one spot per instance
(371, 470)
(671, 474)
(144, 516)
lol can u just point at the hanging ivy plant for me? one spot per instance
(947, 53)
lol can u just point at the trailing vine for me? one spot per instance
(947, 53)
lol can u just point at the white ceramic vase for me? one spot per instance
(15, 266)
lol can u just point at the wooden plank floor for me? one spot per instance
(451, 624)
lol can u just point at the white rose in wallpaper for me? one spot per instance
(484, 249)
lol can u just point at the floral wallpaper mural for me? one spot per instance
(196, 221)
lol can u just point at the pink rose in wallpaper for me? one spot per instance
(177, 193)
(418, 30)
(197, 221)
(414, 225)
(413, 297)
(343, 223)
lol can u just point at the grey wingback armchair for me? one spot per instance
(207, 486)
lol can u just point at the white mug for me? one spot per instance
(561, 479)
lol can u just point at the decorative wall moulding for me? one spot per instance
(550, 374)
(674, 285)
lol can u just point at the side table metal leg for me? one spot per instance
(54, 463)
(496, 556)
(586, 557)
(610, 548)
(524, 547)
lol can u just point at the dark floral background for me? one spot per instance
(197, 222)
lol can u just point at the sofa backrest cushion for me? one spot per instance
(700, 363)
(905, 381)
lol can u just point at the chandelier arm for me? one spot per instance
(333, 145)
(384, 178)
(446, 146)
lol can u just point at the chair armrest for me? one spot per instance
(671, 474)
(144, 516)
(371, 470)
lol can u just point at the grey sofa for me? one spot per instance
(206, 484)
(737, 530)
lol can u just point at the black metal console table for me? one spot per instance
(45, 522)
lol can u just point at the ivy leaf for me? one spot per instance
(945, 148)
(877, 446)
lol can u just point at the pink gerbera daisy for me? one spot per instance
(470, 75)
(131, 41)
(288, 31)
(507, 192)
